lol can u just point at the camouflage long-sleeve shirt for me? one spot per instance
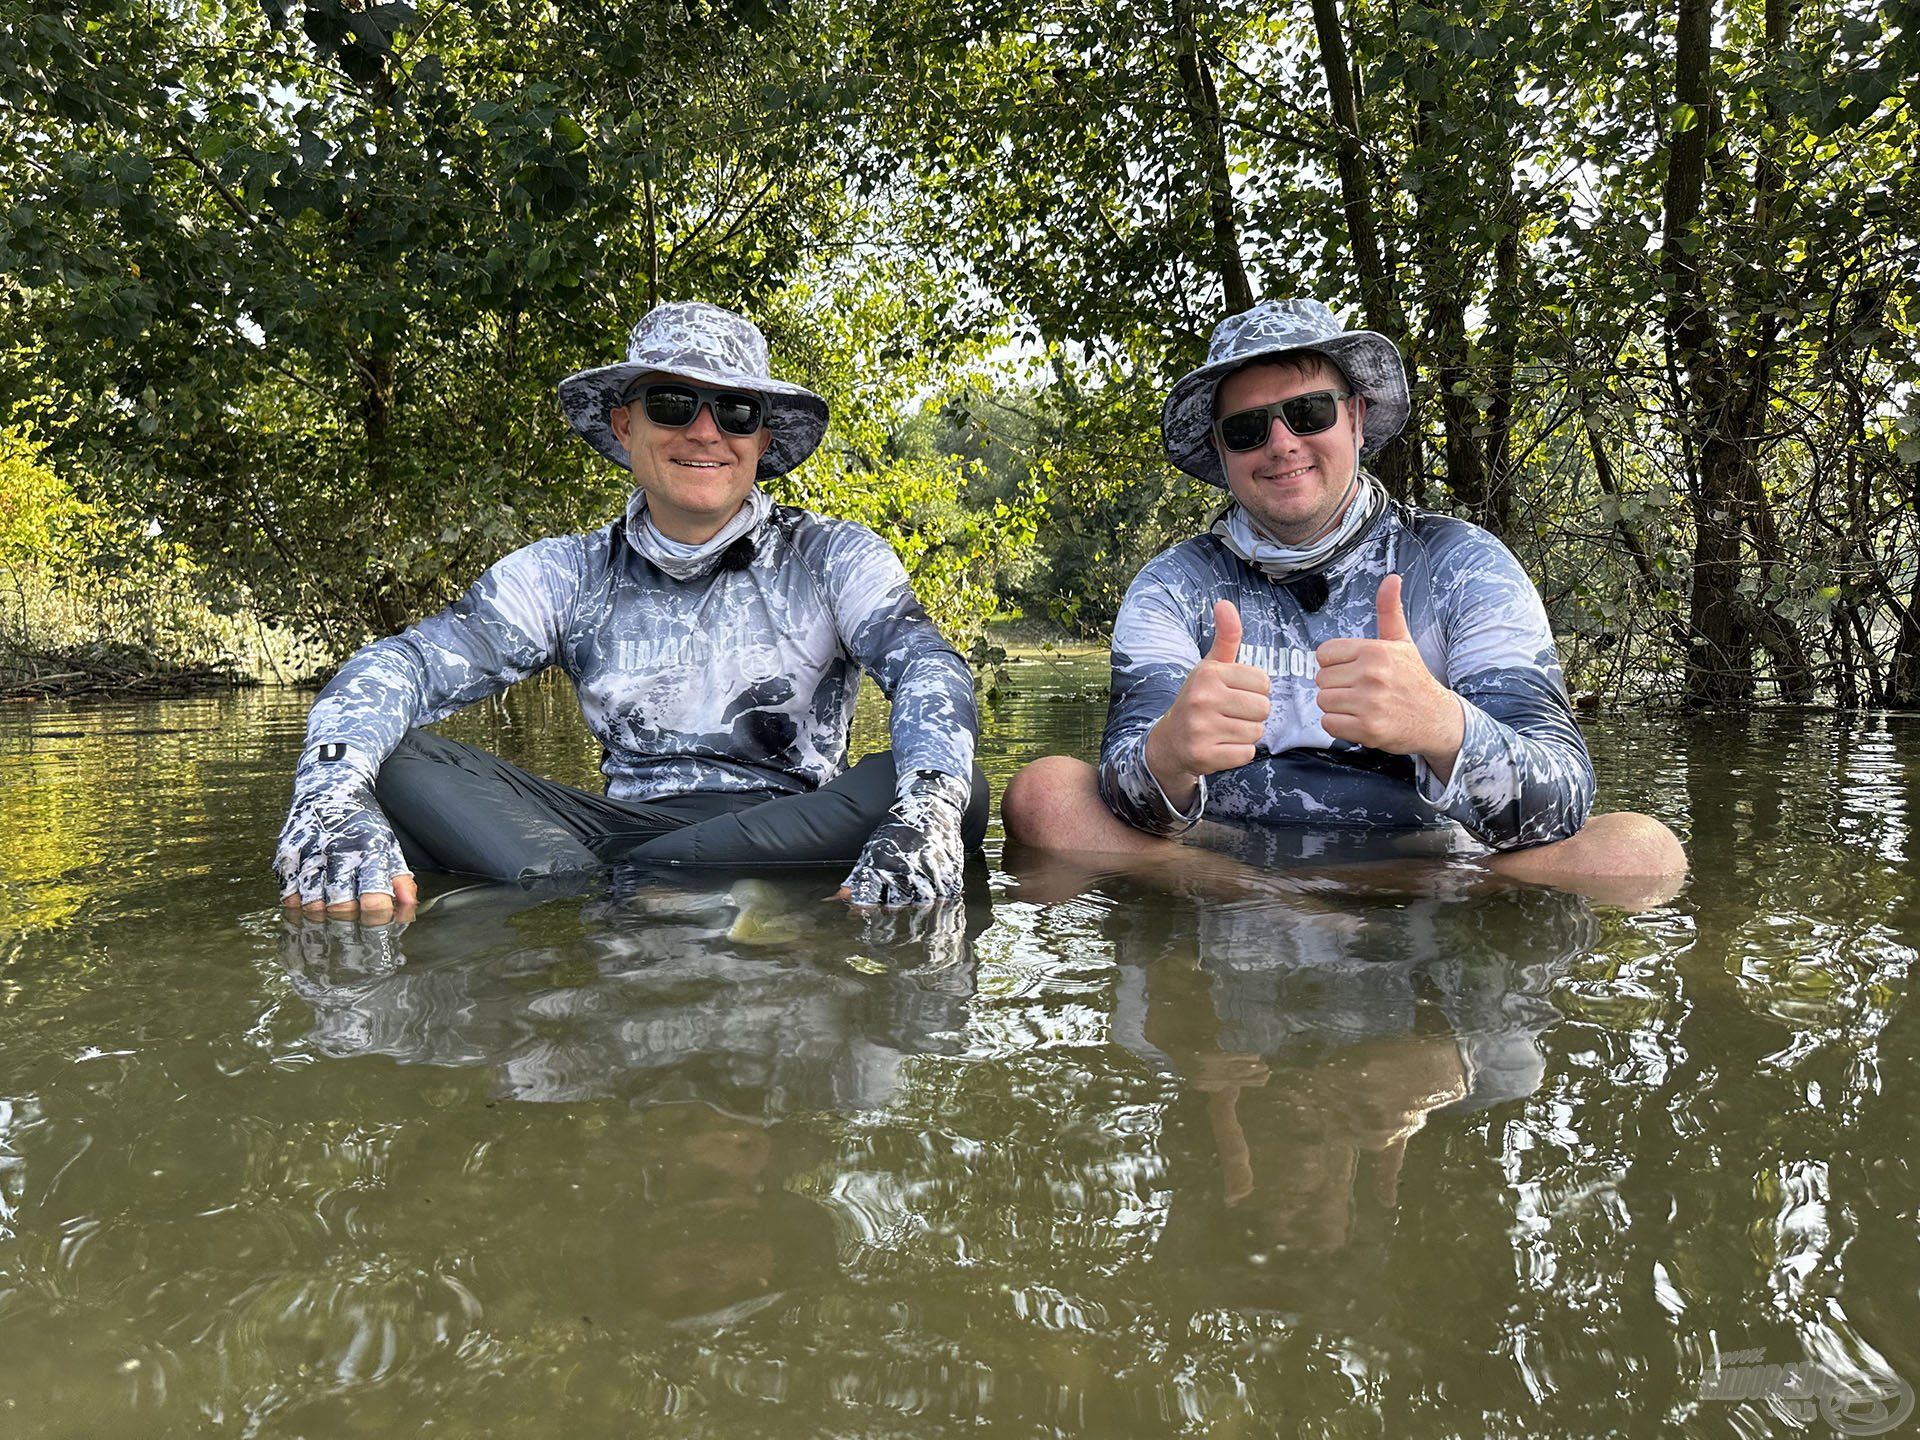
(741, 679)
(1522, 777)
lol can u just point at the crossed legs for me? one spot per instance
(1054, 805)
(457, 808)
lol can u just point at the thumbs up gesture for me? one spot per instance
(1379, 693)
(1215, 721)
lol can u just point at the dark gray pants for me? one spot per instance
(459, 809)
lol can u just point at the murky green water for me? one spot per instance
(1102, 1155)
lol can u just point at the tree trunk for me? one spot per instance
(1503, 334)
(1903, 689)
(389, 603)
(1448, 269)
(1753, 384)
(653, 243)
(1397, 466)
(1203, 113)
(1720, 655)
(377, 368)
(1452, 370)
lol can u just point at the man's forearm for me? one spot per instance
(1517, 779)
(1130, 789)
(374, 699)
(935, 721)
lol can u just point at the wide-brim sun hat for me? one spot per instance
(1273, 328)
(709, 346)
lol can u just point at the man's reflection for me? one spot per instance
(752, 995)
(723, 1016)
(1310, 1036)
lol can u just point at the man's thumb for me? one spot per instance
(1393, 620)
(1226, 632)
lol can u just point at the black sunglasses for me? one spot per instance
(1307, 414)
(676, 406)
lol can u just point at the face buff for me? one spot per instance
(1237, 531)
(689, 562)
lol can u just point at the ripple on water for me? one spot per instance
(293, 1180)
(353, 1324)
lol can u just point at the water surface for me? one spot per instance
(1149, 1154)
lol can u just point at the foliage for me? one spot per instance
(305, 277)
(868, 348)
(40, 519)
(94, 602)
(300, 280)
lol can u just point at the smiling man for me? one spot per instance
(1325, 657)
(716, 642)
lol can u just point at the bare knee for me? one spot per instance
(1055, 804)
(1625, 843)
(1621, 858)
(1046, 796)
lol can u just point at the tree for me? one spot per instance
(302, 279)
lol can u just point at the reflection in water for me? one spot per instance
(1328, 1151)
(748, 997)
(715, 1013)
(1312, 1043)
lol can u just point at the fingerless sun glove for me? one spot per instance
(336, 845)
(916, 853)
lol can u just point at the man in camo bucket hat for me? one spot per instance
(1325, 657)
(716, 641)
(1369, 361)
(708, 346)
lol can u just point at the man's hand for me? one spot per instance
(1380, 693)
(337, 851)
(915, 855)
(1216, 720)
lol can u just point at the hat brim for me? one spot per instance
(1369, 360)
(797, 416)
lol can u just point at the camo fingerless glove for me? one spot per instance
(336, 845)
(916, 854)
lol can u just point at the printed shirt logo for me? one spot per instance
(725, 655)
(1279, 660)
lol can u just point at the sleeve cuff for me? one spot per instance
(1180, 820)
(1140, 791)
(944, 783)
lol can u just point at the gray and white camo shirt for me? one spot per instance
(1523, 776)
(741, 679)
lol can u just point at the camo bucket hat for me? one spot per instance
(1370, 361)
(709, 346)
